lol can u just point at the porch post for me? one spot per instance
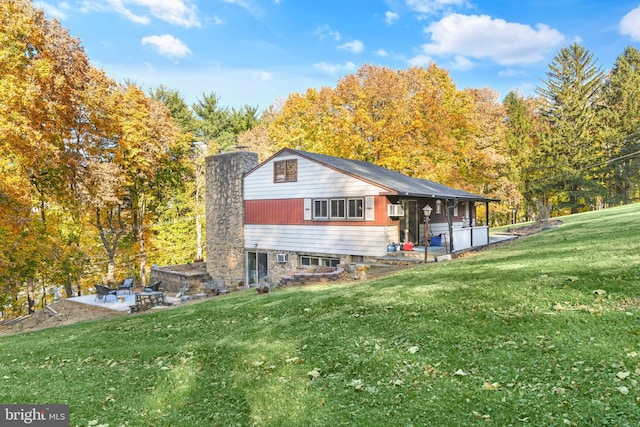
(486, 213)
(472, 215)
(449, 221)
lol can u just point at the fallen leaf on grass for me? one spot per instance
(623, 375)
(414, 349)
(623, 390)
(480, 416)
(460, 373)
(491, 386)
(356, 384)
(315, 373)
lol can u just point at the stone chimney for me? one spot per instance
(225, 214)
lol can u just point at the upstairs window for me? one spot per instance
(285, 171)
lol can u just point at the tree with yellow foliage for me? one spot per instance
(413, 121)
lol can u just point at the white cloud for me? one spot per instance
(53, 11)
(265, 76)
(420, 60)
(432, 6)
(630, 24)
(354, 46)
(325, 67)
(381, 52)
(167, 45)
(391, 17)
(324, 31)
(481, 37)
(177, 12)
(247, 5)
(510, 72)
(462, 63)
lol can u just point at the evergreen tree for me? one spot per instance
(569, 96)
(622, 131)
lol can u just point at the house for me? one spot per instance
(300, 209)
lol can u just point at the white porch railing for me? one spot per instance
(470, 237)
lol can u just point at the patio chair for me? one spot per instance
(153, 288)
(103, 292)
(127, 285)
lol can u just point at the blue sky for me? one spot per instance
(256, 52)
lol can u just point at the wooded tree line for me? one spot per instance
(99, 179)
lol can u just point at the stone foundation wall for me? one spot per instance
(225, 214)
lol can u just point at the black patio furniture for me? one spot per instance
(127, 285)
(103, 293)
(153, 288)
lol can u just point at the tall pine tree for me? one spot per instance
(569, 97)
(622, 130)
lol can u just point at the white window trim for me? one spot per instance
(326, 203)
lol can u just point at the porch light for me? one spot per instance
(427, 213)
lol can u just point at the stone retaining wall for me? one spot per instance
(175, 277)
(303, 278)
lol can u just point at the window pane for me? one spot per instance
(320, 208)
(279, 171)
(355, 209)
(292, 170)
(337, 208)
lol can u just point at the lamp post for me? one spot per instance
(427, 213)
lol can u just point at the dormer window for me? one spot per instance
(285, 171)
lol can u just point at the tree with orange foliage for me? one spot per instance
(413, 121)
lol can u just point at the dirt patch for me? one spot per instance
(63, 312)
(536, 227)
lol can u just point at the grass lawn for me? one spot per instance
(541, 331)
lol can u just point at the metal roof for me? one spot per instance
(397, 182)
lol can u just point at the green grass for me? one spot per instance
(522, 334)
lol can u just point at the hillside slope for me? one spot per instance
(541, 331)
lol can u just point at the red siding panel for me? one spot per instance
(282, 211)
(291, 212)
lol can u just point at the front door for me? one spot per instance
(257, 267)
(410, 222)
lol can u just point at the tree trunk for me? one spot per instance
(30, 296)
(199, 256)
(143, 261)
(111, 271)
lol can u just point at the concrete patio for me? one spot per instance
(122, 302)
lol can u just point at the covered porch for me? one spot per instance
(441, 222)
